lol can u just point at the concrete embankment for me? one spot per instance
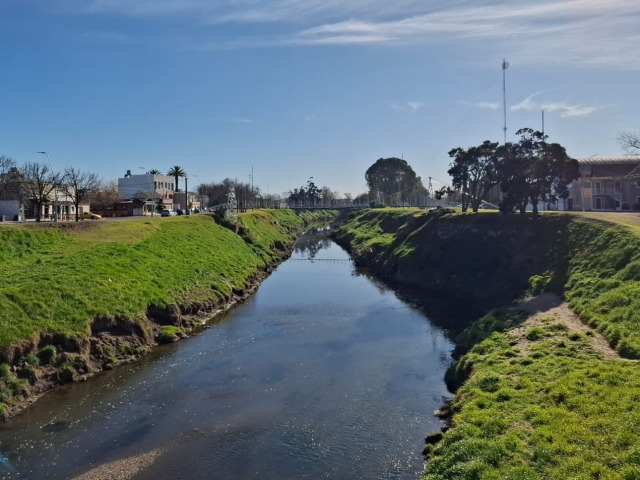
(539, 395)
(76, 299)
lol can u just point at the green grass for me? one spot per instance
(537, 402)
(559, 411)
(57, 279)
(603, 284)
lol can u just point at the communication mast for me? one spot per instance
(505, 65)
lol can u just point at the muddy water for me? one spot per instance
(322, 374)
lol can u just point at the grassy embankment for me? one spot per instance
(539, 400)
(70, 284)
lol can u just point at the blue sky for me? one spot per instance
(301, 88)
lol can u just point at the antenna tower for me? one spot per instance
(505, 65)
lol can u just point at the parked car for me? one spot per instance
(168, 213)
(89, 216)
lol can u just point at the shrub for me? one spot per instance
(536, 333)
(32, 359)
(47, 354)
(169, 334)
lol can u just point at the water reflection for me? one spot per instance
(321, 374)
(314, 240)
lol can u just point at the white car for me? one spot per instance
(168, 213)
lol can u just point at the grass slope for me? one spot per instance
(58, 279)
(535, 402)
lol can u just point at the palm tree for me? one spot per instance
(154, 171)
(176, 171)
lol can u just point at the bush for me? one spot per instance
(536, 333)
(47, 354)
(169, 334)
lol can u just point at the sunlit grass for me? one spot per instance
(57, 280)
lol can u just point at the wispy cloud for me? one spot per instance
(410, 106)
(590, 32)
(565, 109)
(242, 120)
(484, 105)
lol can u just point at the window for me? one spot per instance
(597, 186)
(638, 182)
(617, 186)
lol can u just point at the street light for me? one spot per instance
(186, 195)
(153, 205)
(55, 190)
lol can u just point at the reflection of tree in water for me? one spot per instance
(312, 242)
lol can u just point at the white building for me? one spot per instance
(152, 188)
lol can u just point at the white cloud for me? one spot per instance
(242, 120)
(410, 106)
(580, 32)
(484, 105)
(565, 109)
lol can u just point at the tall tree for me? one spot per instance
(630, 142)
(176, 172)
(78, 185)
(392, 177)
(533, 170)
(39, 184)
(474, 172)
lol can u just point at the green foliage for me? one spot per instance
(169, 333)
(539, 283)
(561, 412)
(47, 354)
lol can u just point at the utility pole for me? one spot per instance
(55, 190)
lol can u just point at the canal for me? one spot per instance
(323, 373)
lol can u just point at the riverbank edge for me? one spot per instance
(118, 340)
(576, 258)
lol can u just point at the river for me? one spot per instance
(323, 373)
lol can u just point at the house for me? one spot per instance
(149, 188)
(605, 183)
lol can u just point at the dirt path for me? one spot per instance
(548, 306)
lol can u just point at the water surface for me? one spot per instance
(324, 373)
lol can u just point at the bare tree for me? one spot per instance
(9, 179)
(38, 183)
(78, 185)
(630, 142)
(105, 196)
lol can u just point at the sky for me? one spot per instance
(294, 89)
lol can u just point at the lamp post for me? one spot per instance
(55, 190)
(153, 205)
(186, 195)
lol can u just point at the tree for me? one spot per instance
(78, 185)
(630, 142)
(38, 183)
(10, 179)
(533, 170)
(154, 171)
(394, 178)
(474, 172)
(104, 196)
(176, 172)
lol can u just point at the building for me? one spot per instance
(607, 183)
(149, 188)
